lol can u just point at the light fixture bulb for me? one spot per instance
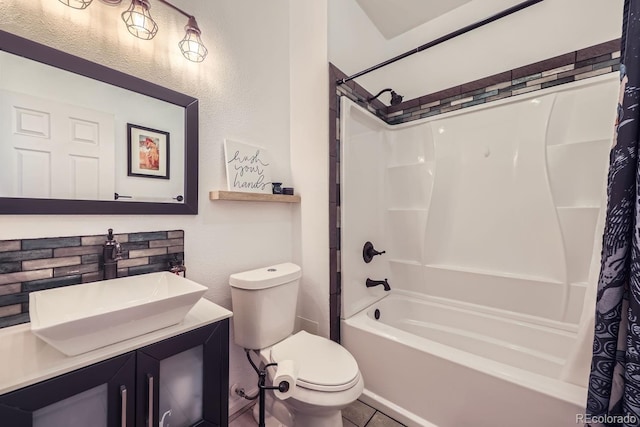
(139, 21)
(77, 4)
(191, 45)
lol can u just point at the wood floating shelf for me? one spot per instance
(252, 197)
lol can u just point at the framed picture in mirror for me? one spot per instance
(148, 152)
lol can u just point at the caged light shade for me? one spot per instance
(139, 21)
(191, 45)
(77, 4)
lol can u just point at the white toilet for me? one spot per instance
(264, 309)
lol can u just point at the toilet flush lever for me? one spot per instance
(368, 252)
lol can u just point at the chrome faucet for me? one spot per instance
(111, 252)
(371, 283)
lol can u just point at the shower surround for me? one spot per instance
(582, 64)
(489, 218)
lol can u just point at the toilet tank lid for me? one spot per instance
(266, 277)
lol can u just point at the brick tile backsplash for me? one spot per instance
(78, 250)
(9, 245)
(57, 242)
(133, 262)
(10, 289)
(38, 285)
(25, 276)
(165, 243)
(141, 237)
(36, 264)
(25, 255)
(10, 267)
(175, 249)
(147, 252)
(176, 234)
(75, 269)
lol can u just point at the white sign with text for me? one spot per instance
(248, 167)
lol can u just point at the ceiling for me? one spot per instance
(393, 18)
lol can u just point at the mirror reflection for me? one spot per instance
(77, 137)
(65, 136)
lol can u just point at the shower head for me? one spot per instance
(395, 98)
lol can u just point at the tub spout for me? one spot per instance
(371, 283)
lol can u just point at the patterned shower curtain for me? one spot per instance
(614, 383)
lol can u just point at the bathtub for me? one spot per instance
(431, 362)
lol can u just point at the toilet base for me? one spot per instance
(278, 414)
(333, 419)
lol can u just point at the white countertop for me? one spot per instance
(25, 359)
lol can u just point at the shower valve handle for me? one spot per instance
(368, 252)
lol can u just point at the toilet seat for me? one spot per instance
(323, 364)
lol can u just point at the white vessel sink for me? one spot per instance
(79, 318)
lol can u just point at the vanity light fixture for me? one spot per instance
(77, 4)
(191, 45)
(140, 24)
(139, 21)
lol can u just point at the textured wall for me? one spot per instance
(309, 158)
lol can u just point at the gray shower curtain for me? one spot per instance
(614, 383)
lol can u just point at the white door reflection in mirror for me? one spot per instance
(55, 150)
(79, 110)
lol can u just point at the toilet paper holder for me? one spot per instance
(282, 387)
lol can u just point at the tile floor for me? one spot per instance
(357, 414)
(362, 415)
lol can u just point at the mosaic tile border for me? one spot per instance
(29, 265)
(592, 61)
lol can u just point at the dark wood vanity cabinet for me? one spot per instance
(100, 395)
(183, 379)
(187, 375)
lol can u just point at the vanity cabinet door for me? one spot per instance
(100, 395)
(183, 381)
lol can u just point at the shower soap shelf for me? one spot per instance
(252, 197)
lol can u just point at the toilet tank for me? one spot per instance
(264, 304)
